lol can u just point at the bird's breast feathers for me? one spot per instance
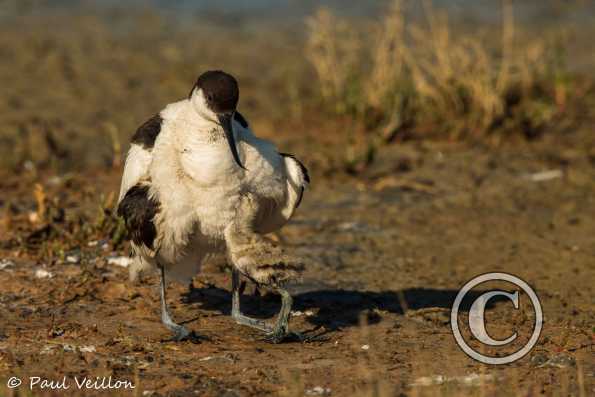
(210, 165)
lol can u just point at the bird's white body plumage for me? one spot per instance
(191, 173)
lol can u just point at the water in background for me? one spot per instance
(486, 11)
(575, 18)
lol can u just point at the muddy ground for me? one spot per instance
(387, 253)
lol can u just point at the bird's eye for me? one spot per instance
(210, 97)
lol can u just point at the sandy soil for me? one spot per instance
(387, 254)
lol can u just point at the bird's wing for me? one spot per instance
(276, 213)
(140, 155)
(135, 204)
(135, 169)
(138, 208)
(298, 180)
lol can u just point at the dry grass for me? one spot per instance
(335, 61)
(78, 84)
(452, 85)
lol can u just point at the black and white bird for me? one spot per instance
(197, 182)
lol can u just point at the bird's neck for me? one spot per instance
(196, 116)
(193, 126)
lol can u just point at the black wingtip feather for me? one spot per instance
(138, 210)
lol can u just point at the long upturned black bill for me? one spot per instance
(226, 120)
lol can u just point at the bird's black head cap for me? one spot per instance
(220, 91)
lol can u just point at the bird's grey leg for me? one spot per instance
(236, 314)
(281, 328)
(179, 331)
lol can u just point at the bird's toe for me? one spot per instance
(275, 337)
(180, 333)
(290, 336)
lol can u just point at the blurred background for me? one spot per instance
(80, 76)
(445, 139)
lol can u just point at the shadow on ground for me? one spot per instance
(336, 308)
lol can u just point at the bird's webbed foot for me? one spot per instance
(179, 332)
